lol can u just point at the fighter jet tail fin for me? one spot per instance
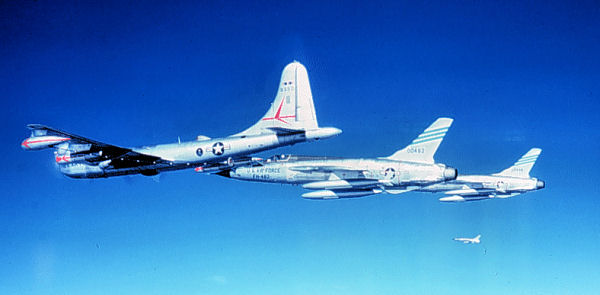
(522, 167)
(422, 148)
(293, 107)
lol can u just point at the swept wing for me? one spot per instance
(98, 152)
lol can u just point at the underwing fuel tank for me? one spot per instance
(42, 142)
(329, 194)
(339, 184)
(458, 199)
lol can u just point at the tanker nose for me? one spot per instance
(540, 184)
(450, 173)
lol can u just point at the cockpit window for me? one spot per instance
(278, 158)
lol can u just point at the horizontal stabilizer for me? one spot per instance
(285, 131)
(424, 147)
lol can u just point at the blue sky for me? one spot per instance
(513, 76)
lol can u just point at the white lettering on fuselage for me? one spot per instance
(265, 170)
(263, 173)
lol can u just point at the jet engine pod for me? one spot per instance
(42, 142)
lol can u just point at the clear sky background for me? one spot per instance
(514, 76)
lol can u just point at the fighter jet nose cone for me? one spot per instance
(450, 173)
(540, 184)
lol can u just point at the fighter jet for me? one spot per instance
(290, 119)
(511, 182)
(332, 178)
(474, 240)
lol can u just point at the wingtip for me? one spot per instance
(35, 126)
(447, 120)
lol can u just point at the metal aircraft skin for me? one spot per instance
(290, 119)
(332, 178)
(511, 182)
(474, 240)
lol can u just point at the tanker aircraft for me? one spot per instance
(408, 169)
(290, 119)
(511, 182)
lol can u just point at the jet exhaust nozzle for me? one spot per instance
(450, 173)
(540, 184)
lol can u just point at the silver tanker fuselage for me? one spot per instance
(192, 153)
(291, 118)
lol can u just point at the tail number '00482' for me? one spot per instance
(415, 150)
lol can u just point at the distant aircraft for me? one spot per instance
(474, 240)
(290, 119)
(511, 182)
(331, 178)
